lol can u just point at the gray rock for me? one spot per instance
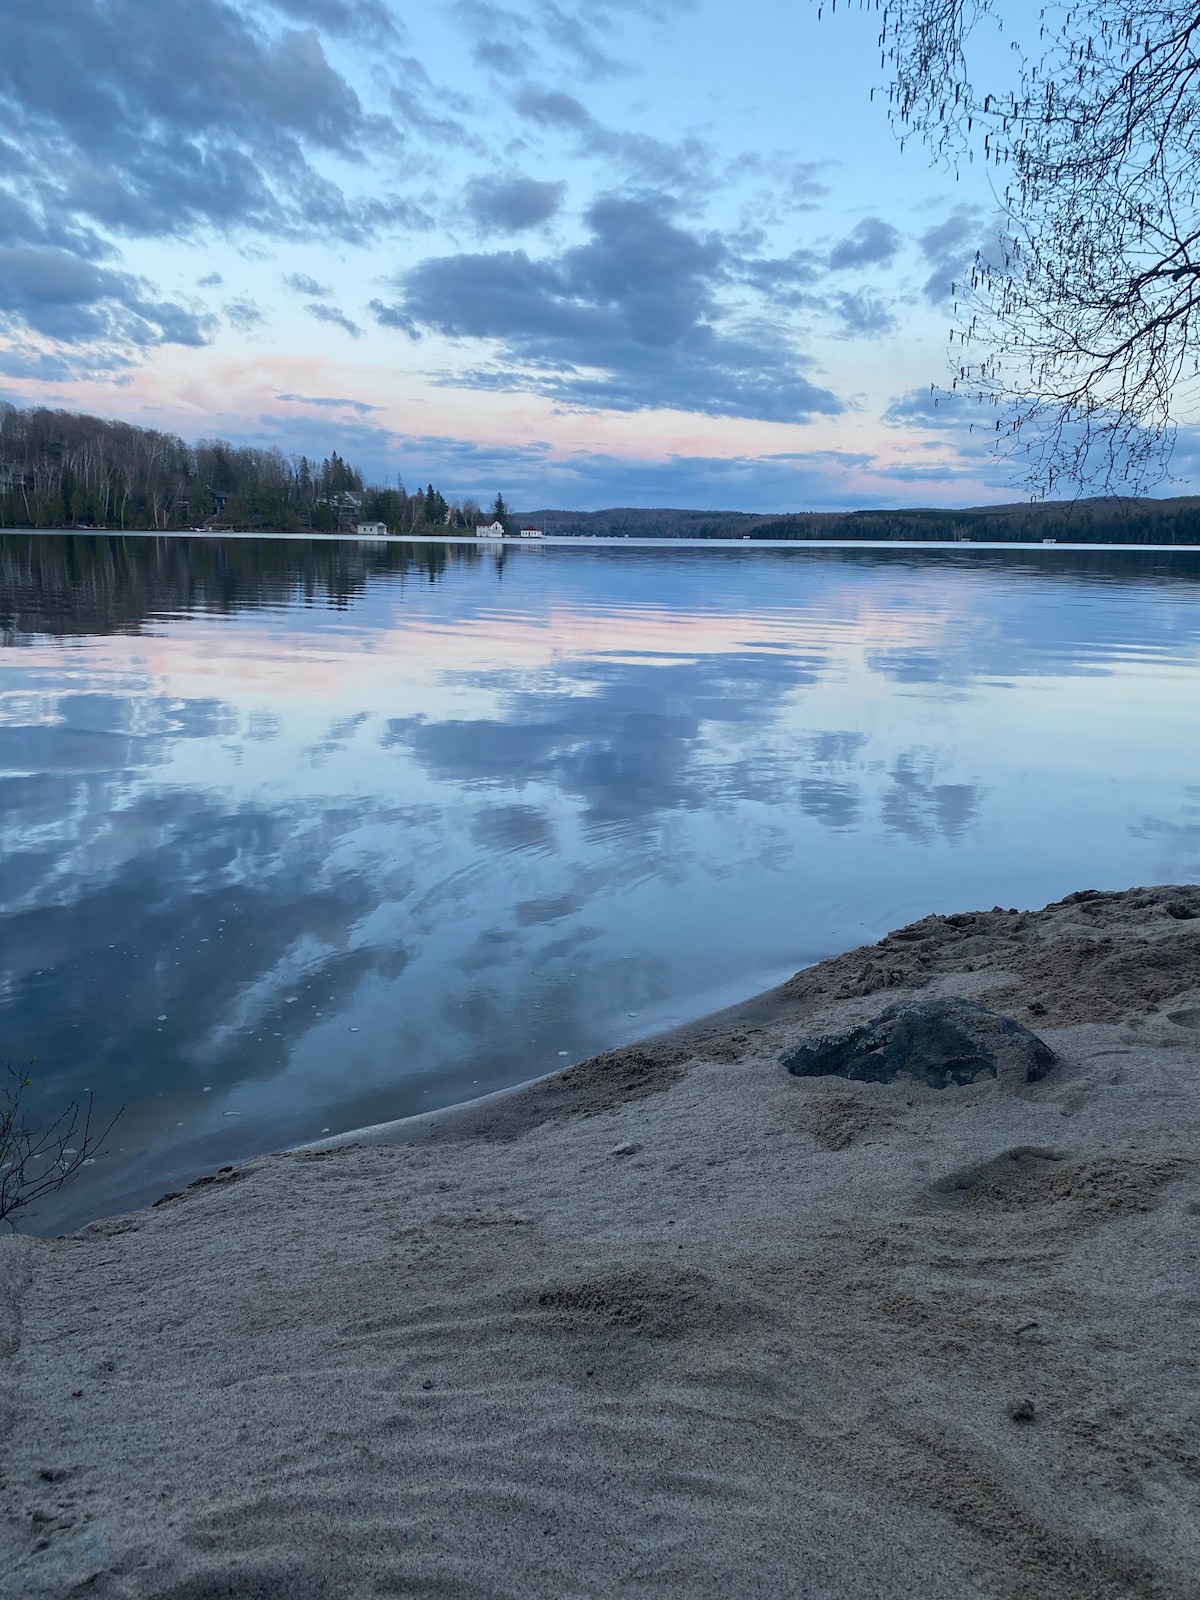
(937, 1042)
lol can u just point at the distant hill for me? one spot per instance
(1098, 521)
(641, 523)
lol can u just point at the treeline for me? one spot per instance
(640, 522)
(60, 469)
(1099, 521)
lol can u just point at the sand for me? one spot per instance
(673, 1322)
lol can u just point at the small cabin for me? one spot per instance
(371, 530)
(490, 530)
(532, 533)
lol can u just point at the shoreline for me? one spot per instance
(518, 1105)
(587, 540)
(670, 1321)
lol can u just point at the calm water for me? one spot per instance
(300, 837)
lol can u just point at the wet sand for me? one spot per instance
(671, 1322)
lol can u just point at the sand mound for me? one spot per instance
(1085, 1191)
(1092, 957)
(664, 1305)
(674, 1322)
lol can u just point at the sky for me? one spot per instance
(621, 252)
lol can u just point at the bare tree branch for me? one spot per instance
(37, 1161)
(1081, 325)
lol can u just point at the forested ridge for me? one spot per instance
(1103, 520)
(63, 469)
(1106, 520)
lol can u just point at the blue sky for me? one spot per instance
(622, 252)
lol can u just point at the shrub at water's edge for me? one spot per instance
(37, 1159)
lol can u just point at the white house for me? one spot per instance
(491, 530)
(371, 530)
(532, 533)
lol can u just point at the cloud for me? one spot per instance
(789, 280)
(863, 315)
(160, 119)
(24, 221)
(949, 247)
(686, 166)
(554, 109)
(243, 315)
(414, 95)
(336, 318)
(578, 38)
(303, 284)
(535, 475)
(945, 410)
(500, 39)
(793, 185)
(1179, 839)
(920, 808)
(509, 205)
(873, 243)
(629, 320)
(168, 885)
(575, 39)
(168, 120)
(627, 747)
(576, 35)
(368, 445)
(333, 401)
(368, 19)
(62, 297)
(393, 316)
(43, 366)
(1185, 455)
(511, 828)
(834, 805)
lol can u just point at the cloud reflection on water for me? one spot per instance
(481, 824)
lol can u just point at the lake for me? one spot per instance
(304, 835)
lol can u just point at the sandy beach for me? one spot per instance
(675, 1321)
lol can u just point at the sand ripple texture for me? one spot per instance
(674, 1323)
